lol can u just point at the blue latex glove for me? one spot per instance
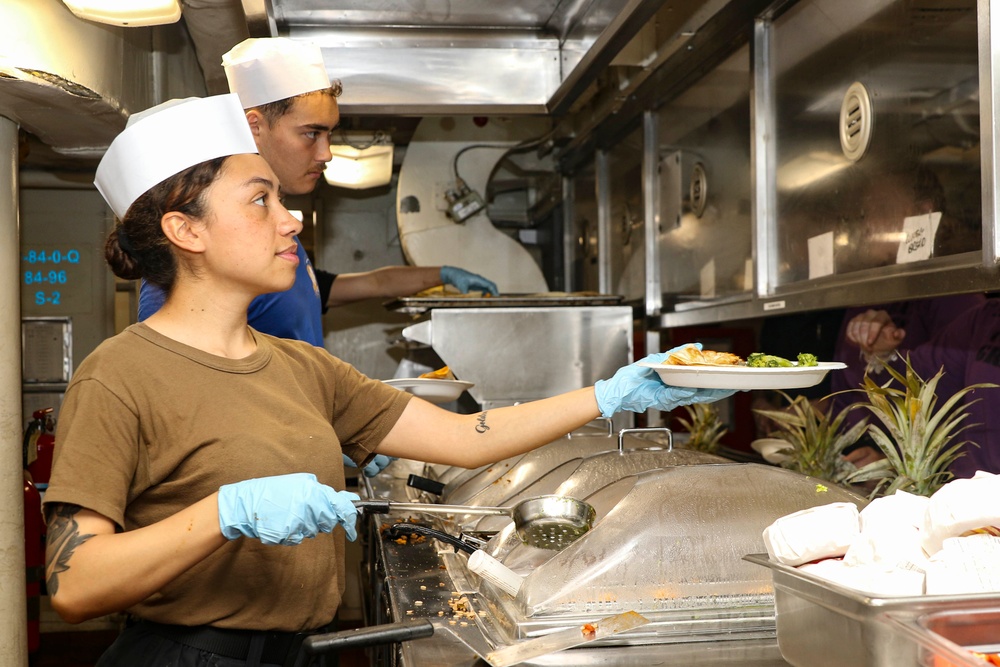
(284, 509)
(374, 467)
(467, 282)
(637, 389)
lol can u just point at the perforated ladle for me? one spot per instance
(546, 522)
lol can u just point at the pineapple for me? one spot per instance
(705, 428)
(816, 438)
(916, 440)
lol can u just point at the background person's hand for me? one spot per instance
(875, 333)
(862, 456)
(284, 509)
(637, 388)
(374, 467)
(466, 281)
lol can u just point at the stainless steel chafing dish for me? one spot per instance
(581, 463)
(667, 543)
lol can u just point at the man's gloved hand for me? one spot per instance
(637, 388)
(374, 467)
(467, 282)
(284, 509)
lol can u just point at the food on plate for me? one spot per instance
(761, 360)
(690, 355)
(806, 359)
(450, 292)
(443, 373)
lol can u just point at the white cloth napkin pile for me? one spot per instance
(900, 545)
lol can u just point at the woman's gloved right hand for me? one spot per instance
(284, 509)
(638, 388)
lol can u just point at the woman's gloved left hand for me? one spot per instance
(466, 281)
(374, 467)
(637, 389)
(285, 509)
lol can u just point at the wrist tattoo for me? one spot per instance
(481, 426)
(63, 539)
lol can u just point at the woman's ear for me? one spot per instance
(182, 231)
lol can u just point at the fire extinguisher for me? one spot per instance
(39, 444)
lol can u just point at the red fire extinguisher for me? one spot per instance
(39, 444)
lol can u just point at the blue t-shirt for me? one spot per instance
(295, 313)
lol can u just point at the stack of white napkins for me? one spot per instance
(900, 545)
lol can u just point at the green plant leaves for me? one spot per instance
(916, 439)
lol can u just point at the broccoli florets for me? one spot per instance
(761, 360)
(806, 359)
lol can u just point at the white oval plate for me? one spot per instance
(430, 389)
(742, 377)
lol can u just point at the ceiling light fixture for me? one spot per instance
(128, 13)
(361, 160)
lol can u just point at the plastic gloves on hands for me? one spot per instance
(284, 509)
(467, 282)
(637, 388)
(374, 467)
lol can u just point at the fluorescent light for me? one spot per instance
(127, 12)
(359, 166)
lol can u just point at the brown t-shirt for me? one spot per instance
(150, 426)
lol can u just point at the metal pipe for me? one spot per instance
(13, 602)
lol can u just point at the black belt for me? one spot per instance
(273, 647)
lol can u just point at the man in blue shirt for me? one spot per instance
(291, 106)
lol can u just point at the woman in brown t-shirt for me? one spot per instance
(195, 451)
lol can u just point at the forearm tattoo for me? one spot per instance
(62, 540)
(481, 426)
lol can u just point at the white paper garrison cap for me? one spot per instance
(167, 139)
(269, 69)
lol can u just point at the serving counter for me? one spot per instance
(425, 579)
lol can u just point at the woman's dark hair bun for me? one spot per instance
(122, 264)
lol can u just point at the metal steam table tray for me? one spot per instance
(822, 624)
(417, 305)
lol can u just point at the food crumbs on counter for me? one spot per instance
(440, 613)
(464, 624)
(418, 603)
(423, 588)
(452, 622)
(409, 612)
(821, 489)
(482, 612)
(589, 630)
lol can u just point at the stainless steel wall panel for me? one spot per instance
(704, 141)
(919, 63)
(626, 228)
(521, 354)
(989, 103)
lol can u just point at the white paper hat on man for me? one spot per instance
(167, 139)
(269, 69)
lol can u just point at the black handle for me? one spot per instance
(373, 506)
(425, 484)
(376, 635)
(400, 529)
